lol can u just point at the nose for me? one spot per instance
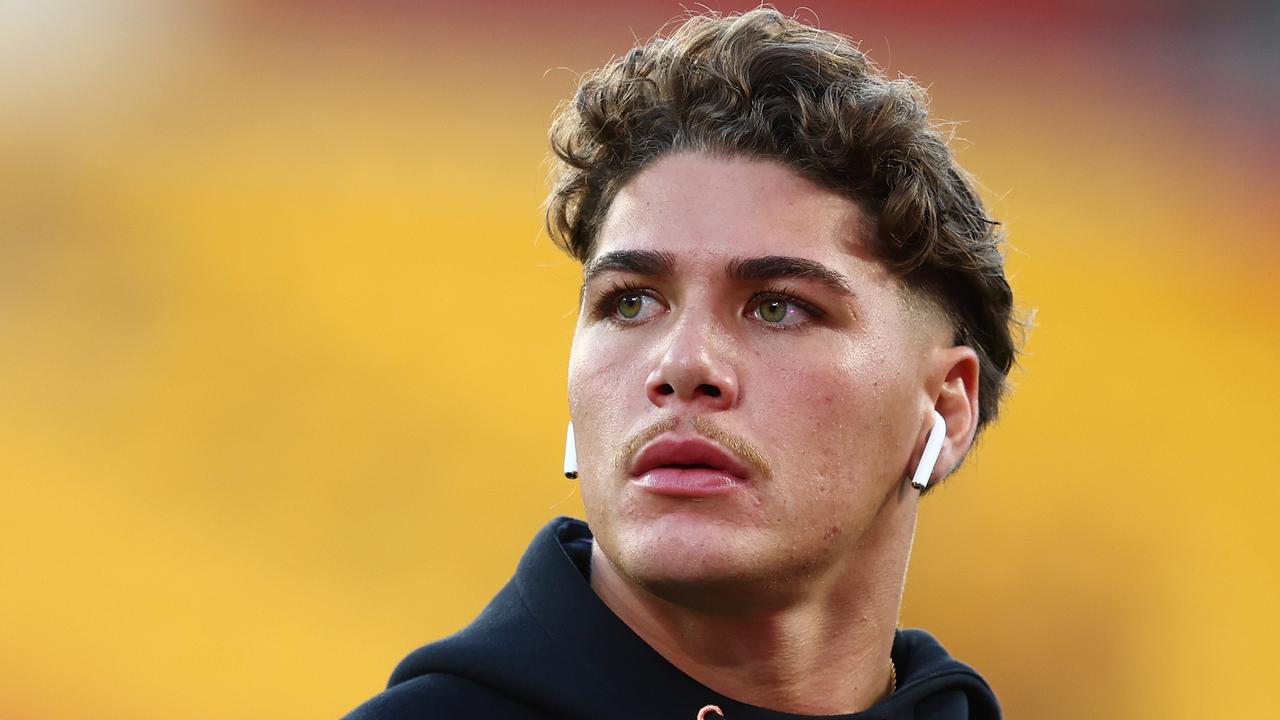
(694, 369)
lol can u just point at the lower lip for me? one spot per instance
(688, 482)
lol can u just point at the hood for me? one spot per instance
(549, 643)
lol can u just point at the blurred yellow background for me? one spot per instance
(283, 344)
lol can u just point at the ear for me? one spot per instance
(954, 386)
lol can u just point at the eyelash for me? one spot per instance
(604, 306)
(608, 301)
(786, 295)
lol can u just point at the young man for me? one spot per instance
(794, 321)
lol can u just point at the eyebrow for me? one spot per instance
(773, 267)
(640, 262)
(756, 269)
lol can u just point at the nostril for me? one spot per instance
(711, 390)
(666, 389)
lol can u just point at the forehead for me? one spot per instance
(703, 208)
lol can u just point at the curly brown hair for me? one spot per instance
(760, 84)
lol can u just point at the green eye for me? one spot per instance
(629, 306)
(772, 311)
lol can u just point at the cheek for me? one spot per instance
(601, 386)
(590, 366)
(840, 414)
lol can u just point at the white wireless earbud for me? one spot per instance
(929, 457)
(570, 454)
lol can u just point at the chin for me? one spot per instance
(705, 565)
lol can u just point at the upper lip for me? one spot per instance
(671, 450)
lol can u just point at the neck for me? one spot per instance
(825, 651)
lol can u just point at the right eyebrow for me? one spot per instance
(639, 262)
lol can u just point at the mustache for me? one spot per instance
(748, 453)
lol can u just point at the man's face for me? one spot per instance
(747, 382)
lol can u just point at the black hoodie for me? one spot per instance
(548, 647)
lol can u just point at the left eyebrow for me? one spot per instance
(773, 267)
